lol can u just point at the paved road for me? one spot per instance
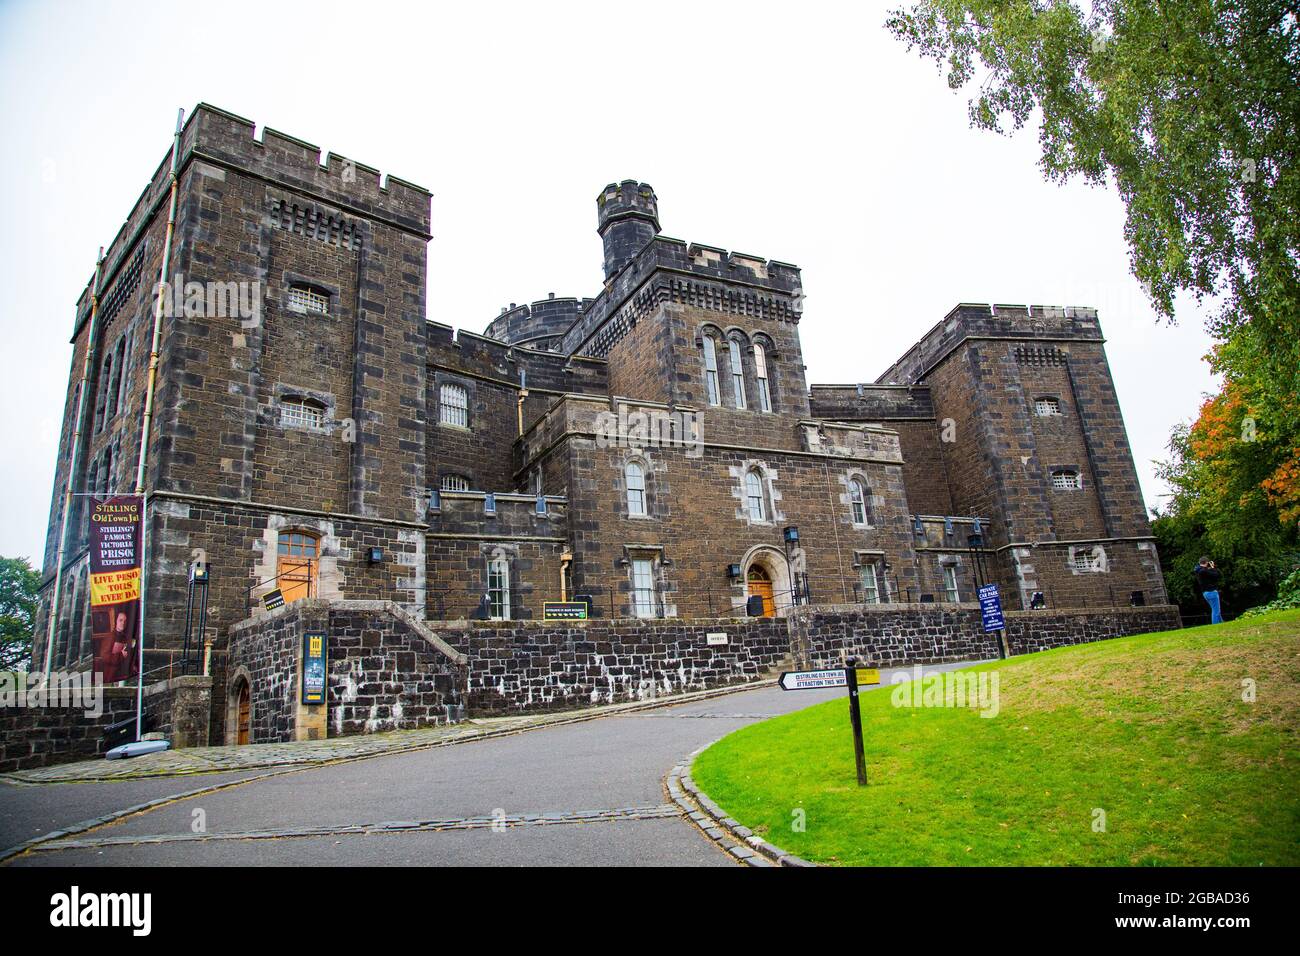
(583, 794)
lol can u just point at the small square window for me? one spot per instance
(1065, 480)
(304, 299)
(1047, 406)
(300, 413)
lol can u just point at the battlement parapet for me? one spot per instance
(692, 274)
(871, 403)
(967, 320)
(540, 325)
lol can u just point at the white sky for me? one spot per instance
(805, 134)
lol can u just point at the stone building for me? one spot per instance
(649, 446)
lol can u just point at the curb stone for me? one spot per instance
(746, 847)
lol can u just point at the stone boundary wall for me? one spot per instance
(40, 736)
(386, 671)
(521, 666)
(893, 635)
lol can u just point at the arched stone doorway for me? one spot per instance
(239, 709)
(767, 574)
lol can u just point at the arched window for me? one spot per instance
(453, 483)
(298, 553)
(760, 372)
(755, 506)
(301, 413)
(858, 501)
(453, 405)
(635, 476)
(737, 373)
(498, 589)
(711, 370)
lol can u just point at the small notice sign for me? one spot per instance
(716, 638)
(273, 599)
(313, 667)
(868, 676)
(564, 610)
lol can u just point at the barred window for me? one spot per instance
(737, 373)
(1047, 406)
(644, 594)
(635, 476)
(453, 483)
(858, 501)
(760, 372)
(499, 589)
(301, 413)
(306, 299)
(1065, 480)
(755, 506)
(711, 369)
(1088, 560)
(453, 405)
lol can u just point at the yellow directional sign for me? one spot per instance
(868, 675)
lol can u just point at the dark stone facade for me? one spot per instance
(427, 457)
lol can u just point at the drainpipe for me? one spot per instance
(146, 425)
(73, 459)
(523, 394)
(566, 559)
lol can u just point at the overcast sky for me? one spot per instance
(802, 132)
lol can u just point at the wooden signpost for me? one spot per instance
(850, 676)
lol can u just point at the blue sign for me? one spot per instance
(991, 608)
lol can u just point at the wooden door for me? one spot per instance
(296, 568)
(245, 715)
(760, 583)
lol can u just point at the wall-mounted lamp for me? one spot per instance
(733, 572)
(435, 500)
(489, 504)
(947, 527)
(791, 535)
(375, 555)
(917, 526)
(541, 504)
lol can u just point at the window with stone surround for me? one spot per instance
(760, 373)
(951, 589)
(453, 405)
(1066, 479)
(645, 596)
(711, 370)
(737, 373)
(860, 501)
(498, 589)
(755, 498)
(872, 578)
(301, 413)
(303, 298)
(1047, 405)
(634, 476)
(1088, 560)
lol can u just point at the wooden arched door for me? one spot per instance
(760, 583)
(245, 715)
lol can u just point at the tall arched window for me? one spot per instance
(760, 372)
(499, 589)
(453, 405)
(711, 370)
(737, 373)
(858, 500)
(755, 506)
(635, 476)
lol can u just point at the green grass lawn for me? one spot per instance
(1153, 730)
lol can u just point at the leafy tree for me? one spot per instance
(1190, 107)
(19, 582)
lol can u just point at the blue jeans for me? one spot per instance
(1212, 599)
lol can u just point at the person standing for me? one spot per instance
(1207, 582)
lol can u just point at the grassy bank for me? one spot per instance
(1134, 751)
